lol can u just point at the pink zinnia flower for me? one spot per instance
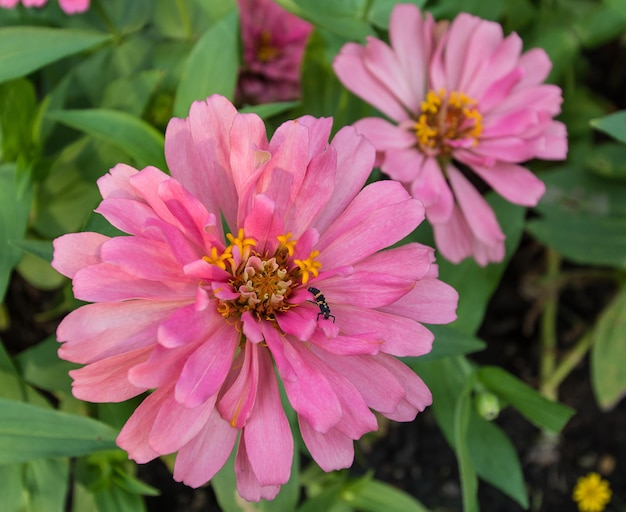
(273, 41)
(463, 100)
(68, 6)
(300, 283)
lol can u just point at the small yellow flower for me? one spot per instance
(592, 493)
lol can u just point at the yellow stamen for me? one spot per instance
(240, 241)
(285, 241)
(217, 259)
(309, 267)
(266, 51)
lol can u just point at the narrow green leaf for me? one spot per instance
(18, 102)
(138, 139)
(614, 125)
(14, 212)
(26, 49)
(41, 248)
(608, 357)
(11, 482)
(212, 65)
(45, 484)
(535, 408)
(368, 495)
(28, 432)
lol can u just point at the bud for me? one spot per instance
(487, 405)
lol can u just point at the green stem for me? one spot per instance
(569, 361)
(548, 329)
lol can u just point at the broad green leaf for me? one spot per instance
(38, 272)
(211, 67)
(368, 495)
(345, 18)
(138, 139)
(450, 342)
(45, 485)
(12, 386)
(582, 238)
(28, 432)
(40, 366)
(613, 125)
(583, 217)
(537, 409)
(495, 459)
(607, 160)
(132, 94)
(15, 205)
(608, 357)
(26, 49)
(380, 11)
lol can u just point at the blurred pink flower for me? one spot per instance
(300, 282)
(464, 100)
(273, 41)
(68, 6)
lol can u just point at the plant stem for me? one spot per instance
(569, 361)
(548, 330)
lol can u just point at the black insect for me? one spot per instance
(320, 300)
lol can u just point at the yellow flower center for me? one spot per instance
(447, 120)
(262, 281)
(266, 51)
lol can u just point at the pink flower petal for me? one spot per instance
(269, 443)
(248, 485)
(513, 182)
(385, 135)
(106, 380)
(214, 442)
(350, 67)
(98, 331)
(331, 450)
(75, 251)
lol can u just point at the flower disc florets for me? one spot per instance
(263, 282)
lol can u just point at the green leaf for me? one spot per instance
(467, 472)
(368, 495)
(26, 49)
(450, 342)
(132, 94)
(613, 125)
(135, 137)
(608, 357)
(17, 114)
(212, 65)
(41, 367)
(11, 482)
(269, 109)
(608, 160)
(39, 273)
(45, 484)
(380, 11)
(41, 248)
(345, 18)
(28, 432)
(540, 411)
(495, 459)
(14, 211)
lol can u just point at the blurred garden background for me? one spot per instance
(527, 383)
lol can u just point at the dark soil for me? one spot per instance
(414, 456)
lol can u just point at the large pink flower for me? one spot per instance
(68, 6)
(273, 41)
(464, 99)
(299, 282)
